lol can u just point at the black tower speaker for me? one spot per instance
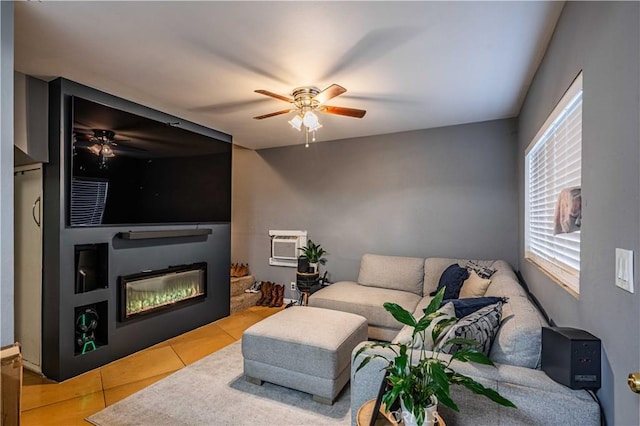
(571, 357)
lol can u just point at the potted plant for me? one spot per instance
(423, 384)
(313, 253)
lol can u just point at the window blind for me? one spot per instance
(88, 200)
(553, 163)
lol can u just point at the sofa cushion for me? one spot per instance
(519, 338)
(349, 296)
(480, 326)
(474, 286)
(504, 282)
(452, 279)
(447, 311)
(392, 272)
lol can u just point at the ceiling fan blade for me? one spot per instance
(274, 95)
(128, 148)
(329, 93)
(284, 111)
(83, 143)
(349, 112)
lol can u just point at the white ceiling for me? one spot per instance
(411, 65)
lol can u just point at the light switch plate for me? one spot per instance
(624, 269)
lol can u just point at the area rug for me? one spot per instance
(213, 391)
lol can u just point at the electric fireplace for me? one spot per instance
(150, 292)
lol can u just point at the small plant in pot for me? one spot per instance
(313, 253)
(424, 383)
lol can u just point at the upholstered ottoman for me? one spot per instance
(303, 348)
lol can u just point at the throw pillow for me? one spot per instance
(480, 326)
(482, 268)
(452, 278)
(404, 336)
(474, 286)
(466, 307)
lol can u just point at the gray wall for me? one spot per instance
(440, 192)
(6, 173)
(603, 40)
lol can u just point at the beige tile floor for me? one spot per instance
(45, 402)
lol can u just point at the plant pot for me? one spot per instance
(429, 417)
(313, 268)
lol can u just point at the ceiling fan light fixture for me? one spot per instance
(106, 151)
(310, 120)
(95, 148)
(296, 122)
(306, 102)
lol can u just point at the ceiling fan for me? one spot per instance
(308, 100)
(99, 142)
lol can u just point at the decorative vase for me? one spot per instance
(429, 415)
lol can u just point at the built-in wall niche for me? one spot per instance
(91, 327)
(91, 267)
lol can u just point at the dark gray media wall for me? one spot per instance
(117, 250)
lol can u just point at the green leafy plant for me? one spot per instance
(314, 252)
(416, 382)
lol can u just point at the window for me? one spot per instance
(553, 208)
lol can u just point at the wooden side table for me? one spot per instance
(384, 419)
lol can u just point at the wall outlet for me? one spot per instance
(293, 286)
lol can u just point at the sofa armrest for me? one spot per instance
(539, 399)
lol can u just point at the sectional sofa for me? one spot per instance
(516, 349)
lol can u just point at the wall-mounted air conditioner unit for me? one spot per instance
(284, 247)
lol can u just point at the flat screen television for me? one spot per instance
(128, 169)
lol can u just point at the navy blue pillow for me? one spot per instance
(452, 278)
(468, 306)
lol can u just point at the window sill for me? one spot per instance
(554, 279)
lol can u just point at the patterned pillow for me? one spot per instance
(482, 268)
(404, 336)
(480, 326)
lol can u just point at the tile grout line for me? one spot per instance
(57, 402)
(184, 364)
(104, 392)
